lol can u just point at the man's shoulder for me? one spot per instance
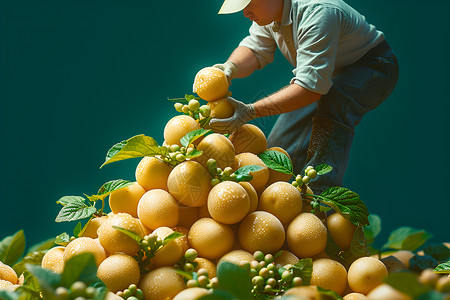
(300, 6)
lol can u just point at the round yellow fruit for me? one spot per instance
(209, 266)
(84, 245)
(305, 293)
(152, 173)
(189, 183)
(249, 138)
(161, 283)
(171, 252)
(355, 296)
(282, 200)
(158, 208)
(125, 200)
(329, 274)
(210, 84)
(178, 127)
(262, 231)
(94, 224)
(252, 195)
(341, 230)
(404, 256)
(7, 273)
(366, 273)
(259, 177)
(210, 238)
(115, 241)
(385, 292)
(218, 147)
(118, 271)
(306, 235)
(286, 258)
(54, 259)
(236, 257)
(191, 294)
(228, 202)
(221, 109)
(182, 241)
(275, 176)
(188, 215)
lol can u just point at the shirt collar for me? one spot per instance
(286, 17)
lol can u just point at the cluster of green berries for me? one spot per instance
(131, 293)
(77, 291)
(187, 263)
(193, 109)
(218, 174)
(267, 277)
(177, 154)
(149, 245)
(201, 279)
(310, 173)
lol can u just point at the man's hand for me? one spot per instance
(229, 68)
(242, 114)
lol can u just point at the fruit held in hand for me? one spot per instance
(210, 84)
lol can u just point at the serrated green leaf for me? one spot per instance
(443, 268)
(235, 280)
(34, 258)
(44, 245)
(323, 169)
(329, 293)
(173, 236)
(407, 238)
(79, 268)
(48, 280)
(75, 211)
(63, 239)
(137, 146)
(407, 283)
(439, 252)
(109, 187)
(30, 286)
(245, 173)
(134, 236)
(12, 248)
(303, 269)
(192, 136)
(358, 246)
(347, 203)
(277, 161)
(69, 199)
(372, 230)
(418, 263)
(194, 153)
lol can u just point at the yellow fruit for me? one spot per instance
(177, 127)
(115, 241)
(152, 173)
(182, 241)
(404, 256)
(171, 252)
(221, 109)
(262, 231)
(285, 258)
(329, 274)
(305, 293)
(259, 177)
(53, 259)
(218, 147)
(386, 292)
(341, 230)
(282, 200)
(161, 283)
(210, 84)
(84, 245)
(189, 183)
(118, 271)
(275, 176)
(125, 200)
(228, 202)
(191, 294)
(7, 273)
(355, 296)
(209, 266)
(443, 284)
(366, 273)
(158, 208)
(306, 235)
(94, 224)
(252, 195)
(210, 238)
(236, 257)
(428, 278)
(188, 215)
(249, 138)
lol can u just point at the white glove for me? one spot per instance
(242, 114)
(229, 68)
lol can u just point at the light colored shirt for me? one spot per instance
(318, 37)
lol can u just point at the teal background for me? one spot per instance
(77, 77)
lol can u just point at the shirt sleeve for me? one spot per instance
(261, 42)
(318, 36)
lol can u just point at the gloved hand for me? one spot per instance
(242, 114)
(229, 68)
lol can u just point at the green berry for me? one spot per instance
(139, 294)
(190, 255)
(271, 267)
(132, 288)
(258, 281)
(194, 105)
(267, 287)
(62, 293)
(91, 292)
(202, 272)
(178, 107)
(253, 273)
(180, 157)
(295, 183)
(306, 179)
(269, 258)
(189, 150)
(174, 148)
(215, 182)
(144, 243)
(228, 171)
(258, 255)
(287, 276)
(188, 267)
(132, 298)
(272, 282)
(312, 173)
(79, 298)
(202, 280)
(127, 293)
(78, 288)
(308, 168)
(262, 264)
(255, 265)
(185, 109)
(297, 281)
(192, 283)
(205, 110)
(264, 273)
(244, 265)
(211, 164)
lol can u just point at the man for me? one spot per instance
(343, 68)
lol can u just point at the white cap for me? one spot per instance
(232, 6)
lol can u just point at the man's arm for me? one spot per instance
(245, 60)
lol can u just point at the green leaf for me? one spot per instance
(44, 245)
(407, 238)
(184, 274)
(109, 187)
(372, 230)
(323, 169)
(418, 263)
(63, 239)
(235, 280)
(358, 246)
(173, 236)
(48, 280)
(34, 258)
(192, 136)
(406, 282)
(443, 268)
(30, 286)
(79, 268)
(12, 248)
(347, 203)
(69, 199)
(245, 173)
(137, 146)
(439, 252)
(431, 295)
(130, 233)
(277, 161)
(303, 269)
(75, 211)
(329, 293)
(77, 230)
(219, 294)
(194, 153)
